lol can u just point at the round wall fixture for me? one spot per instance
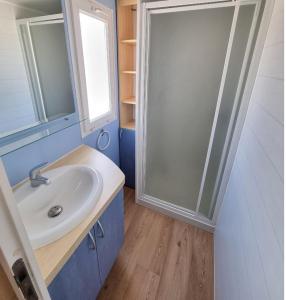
(100, 136)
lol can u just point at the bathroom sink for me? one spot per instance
(50, 211)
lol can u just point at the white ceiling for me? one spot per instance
(46, 6)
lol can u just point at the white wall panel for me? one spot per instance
(268, 133)
(249, 232)
(272, 61)
(267, 92)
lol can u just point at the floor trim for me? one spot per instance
(175, 212)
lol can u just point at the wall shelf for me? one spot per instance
(130, 100)
(129, 125)
(130, 72)
(127, 2)
(129, 42)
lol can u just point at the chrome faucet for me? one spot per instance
(35, 177)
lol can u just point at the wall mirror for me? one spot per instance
(36, 87)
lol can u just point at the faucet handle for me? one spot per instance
(36, 170)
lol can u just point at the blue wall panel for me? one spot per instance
(19, 162)
(113, 150)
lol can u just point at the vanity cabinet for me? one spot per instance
(127, 155)
(109, 232)
(79, 277)
(84, 273)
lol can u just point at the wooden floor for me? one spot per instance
(161, 258)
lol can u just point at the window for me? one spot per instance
(95, 56)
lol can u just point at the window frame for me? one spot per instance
(105, 14)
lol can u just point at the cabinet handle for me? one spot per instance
(101, 229)
(93, 246)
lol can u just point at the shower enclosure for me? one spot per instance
(193, 66)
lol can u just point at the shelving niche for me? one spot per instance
(127, 10)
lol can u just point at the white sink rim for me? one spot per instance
(26, 193)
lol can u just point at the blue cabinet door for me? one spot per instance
(79, 279)
(127, 155)
(109, 238)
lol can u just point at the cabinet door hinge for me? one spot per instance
(23, 280)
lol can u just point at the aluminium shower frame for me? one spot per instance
(238, 113)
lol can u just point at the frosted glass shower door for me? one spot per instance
(187, 53)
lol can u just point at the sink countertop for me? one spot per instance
(52, 257)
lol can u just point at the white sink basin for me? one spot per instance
(76, 189)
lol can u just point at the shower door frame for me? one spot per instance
(143, 28)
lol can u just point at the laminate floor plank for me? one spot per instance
(161, 258)
(144, 285)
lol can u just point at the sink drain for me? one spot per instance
(55, 211)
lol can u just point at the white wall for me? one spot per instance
(16, 109)
(249, 232)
